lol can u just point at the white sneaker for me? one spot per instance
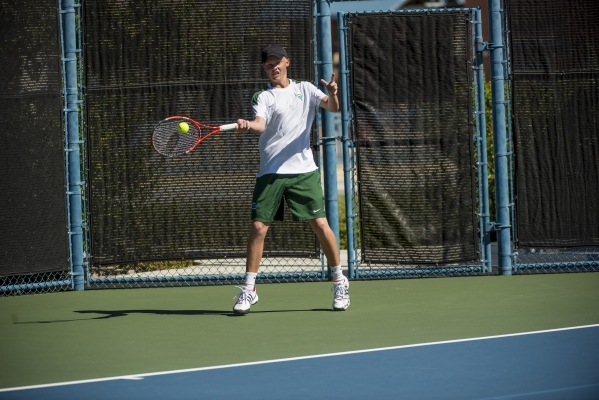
(245, 300)
(341, 299)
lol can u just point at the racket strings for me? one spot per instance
(170, 142)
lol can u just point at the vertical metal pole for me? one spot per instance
(324, 270)
(500, 138)
(509, 138)
(73, 141)
(325, 45)
(482, 140)
(344, 98)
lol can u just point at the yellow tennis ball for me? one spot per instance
(183, 127)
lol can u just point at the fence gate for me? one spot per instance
(146, 61)
(554, 48)
(34, 254)
(414, 135)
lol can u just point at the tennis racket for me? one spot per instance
(169, 141)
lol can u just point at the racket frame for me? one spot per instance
(214, 129)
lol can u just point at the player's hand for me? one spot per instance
(243, 125)
(331, 85)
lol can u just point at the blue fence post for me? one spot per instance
(482, 141)
(324, 270)
(344, 98)
(502, 226)
(69, 38)
(325, 46)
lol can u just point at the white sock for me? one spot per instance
(337, 273)
(250, 280)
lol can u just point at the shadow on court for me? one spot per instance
(106, 314)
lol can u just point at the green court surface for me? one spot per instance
(93, 334)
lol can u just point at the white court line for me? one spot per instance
(343, 353)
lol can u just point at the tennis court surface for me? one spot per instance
(503, 337)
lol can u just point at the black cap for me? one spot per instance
(273, 50)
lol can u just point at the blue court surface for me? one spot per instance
(554, 364)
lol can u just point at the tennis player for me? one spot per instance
(283, 116)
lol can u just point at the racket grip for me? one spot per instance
(228, 127)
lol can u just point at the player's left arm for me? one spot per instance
(330, 102)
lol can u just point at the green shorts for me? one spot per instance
(301, 192)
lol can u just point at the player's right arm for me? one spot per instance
(258, 125)
(262, 103)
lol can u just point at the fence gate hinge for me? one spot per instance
(491, 226)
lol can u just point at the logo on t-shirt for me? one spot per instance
(299, 96)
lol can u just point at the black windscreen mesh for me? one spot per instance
(33, 221)
(555, 69)
(412, 96)
(149, 60)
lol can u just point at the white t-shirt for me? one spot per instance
(289, 112)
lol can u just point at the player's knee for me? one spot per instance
(320, 225)
(259, 228)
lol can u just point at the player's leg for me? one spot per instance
(265, 203)
(255, 246)
(305, 199)
(248, 295)
(328, 242)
